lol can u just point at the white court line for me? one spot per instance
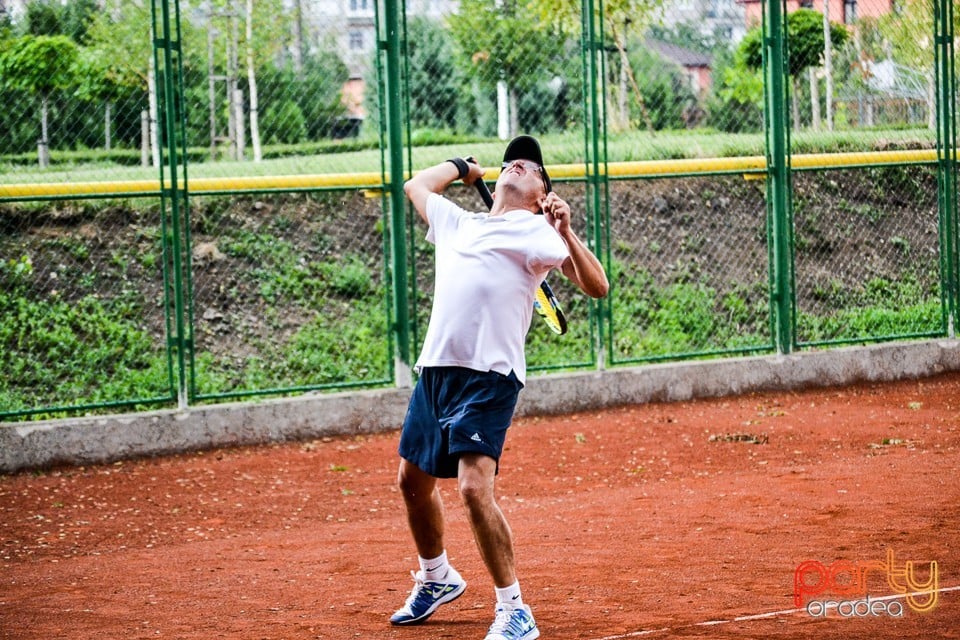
(761, 616)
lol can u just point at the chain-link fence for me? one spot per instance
(689, 265)
(82, 306)
(289, 292)
(867, 254)
(867, 257)
(750, 184)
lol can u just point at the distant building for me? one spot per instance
(695, 65)
(352, 25)
(841, 11)
(720, 19)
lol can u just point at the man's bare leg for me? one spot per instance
(437, 582)
(490, 528)
(424, 509)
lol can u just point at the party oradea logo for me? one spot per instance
(845, 586)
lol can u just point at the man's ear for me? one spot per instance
(540, 202)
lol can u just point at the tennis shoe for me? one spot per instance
(513, 623)
(427, 595)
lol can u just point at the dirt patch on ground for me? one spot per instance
(657, 520)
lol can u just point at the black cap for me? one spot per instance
(527, 148)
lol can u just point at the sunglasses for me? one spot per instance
(528, 165)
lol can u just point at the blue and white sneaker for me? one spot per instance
(427, 596)
(513, 623)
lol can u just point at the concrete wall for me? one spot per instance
(29, 445)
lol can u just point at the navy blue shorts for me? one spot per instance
(453, 411)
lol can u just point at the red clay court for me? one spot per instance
(650, 521)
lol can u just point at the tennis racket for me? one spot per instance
(545, 302)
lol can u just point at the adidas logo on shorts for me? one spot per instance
(476, 437)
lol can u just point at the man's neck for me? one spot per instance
(507, 200)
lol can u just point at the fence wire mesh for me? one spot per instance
(867, 254)
(867, 262)
(289, 292)
(689, 267)
(652, 122)
(82, 317)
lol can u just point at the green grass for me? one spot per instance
(351, 349)
(922, 317)
(93, 349)
(880, 308)
(88, 351)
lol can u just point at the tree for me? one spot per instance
(54, 18)
(40, 65)
(260, 43)
(736, 101)
(43, 18)
(566, 15)
(252, 82)
(806, 40)
(320, 93)
(435, 81)
(621, 19)
(304, 107)
(6, 26)
(124, 37)
(908, 35)
(666, 97)
(268, 29)
(805, 31)
(507, 44)
(101, 80)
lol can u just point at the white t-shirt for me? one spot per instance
(488, 271)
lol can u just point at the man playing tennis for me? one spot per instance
(472, 365)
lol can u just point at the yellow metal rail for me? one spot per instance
(196, 185)
(748, 164)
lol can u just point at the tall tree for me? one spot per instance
(252, 82)
(41, 65)
(55, 18)
(44, 18)
(828, 63)
(623, 21)
(124, 37)
(266, 31)
(736, 102)
(504, 41)
(806, 39)
(435, 80)
(103, 81)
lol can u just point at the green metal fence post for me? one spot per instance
(779, 218)
(395, 170)
(944, 57)
(171, 130)
(595, 159)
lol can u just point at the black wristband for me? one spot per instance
(461, 166)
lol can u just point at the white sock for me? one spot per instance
(434, 568)
(509, 595)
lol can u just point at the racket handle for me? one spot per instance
(482, 189)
